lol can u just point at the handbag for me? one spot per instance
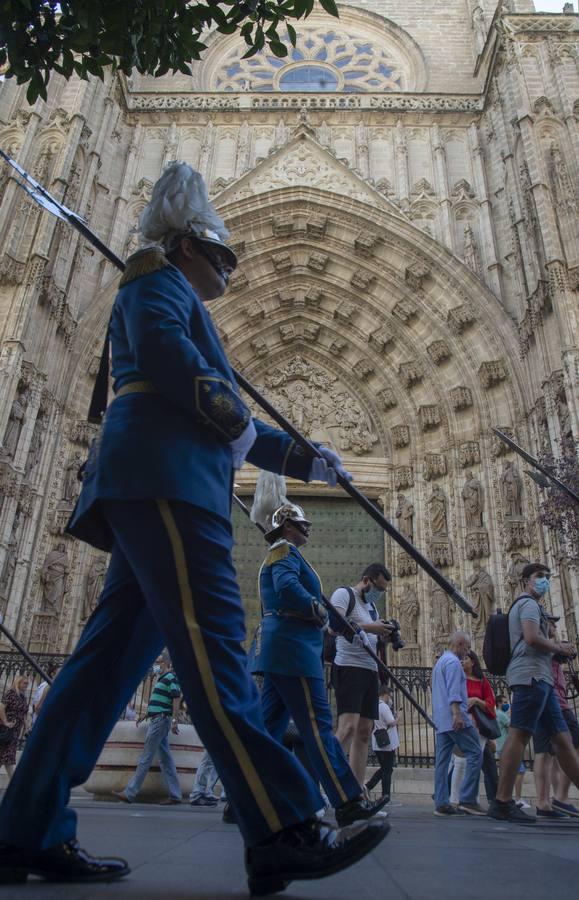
(487, 726)
(6, 735)
(382, 737)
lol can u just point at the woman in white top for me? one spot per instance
(386, 755)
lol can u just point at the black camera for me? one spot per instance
(395, 636)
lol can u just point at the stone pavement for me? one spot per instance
(180, 853)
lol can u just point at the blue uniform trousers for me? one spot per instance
(171, 583)
(304, 700)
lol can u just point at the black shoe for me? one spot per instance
(307, 851)
(357, 810)
(509, 812)
(447, 810)
(63, 863)
(203, 801)
(550, 813)
(228, 815)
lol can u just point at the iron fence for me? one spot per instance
(416, 736)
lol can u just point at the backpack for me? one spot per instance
(329, 638)
(497, 650)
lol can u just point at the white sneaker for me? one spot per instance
(522, 804)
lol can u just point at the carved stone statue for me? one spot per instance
(9, 566)
(54, 578)
(94, 584)
(512, 491)
(71, 484)
(437, 504)
(405, 517)
(483, 595)
(35, 449)
(441, 613)
(409, 612)
(513, 578)
(471, 255)
(473, 498)
(15, 422)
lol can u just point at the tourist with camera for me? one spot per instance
(354, 672)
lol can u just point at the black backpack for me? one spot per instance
(497, 650)
(329, 638)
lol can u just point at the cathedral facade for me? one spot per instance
(402, 194)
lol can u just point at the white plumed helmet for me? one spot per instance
(179, 206)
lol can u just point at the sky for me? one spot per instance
(555, 6)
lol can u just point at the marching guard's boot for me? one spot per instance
(310, 850)
(358, 809)
(66, 862)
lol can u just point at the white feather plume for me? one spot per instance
(270, 494)
(178, 204)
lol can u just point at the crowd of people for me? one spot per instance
(475, 730)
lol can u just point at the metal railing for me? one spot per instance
(416, 737)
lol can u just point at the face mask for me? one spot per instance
(156, 669)
(372, 595)
(541, 586)
(505, 707)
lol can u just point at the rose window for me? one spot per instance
(322, 60)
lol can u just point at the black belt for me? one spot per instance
(291, 614)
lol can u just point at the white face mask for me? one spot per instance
(156, 669)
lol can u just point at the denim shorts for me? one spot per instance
(535, 708)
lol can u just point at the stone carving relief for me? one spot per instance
(403, 477)
(460, 398)
(36, 443)
(400, 436)
(405, 517)
(54, 577)
(410, 373)
(512, 491)
(498, 447)
(513, 576)
(71, 484)
(437, 506)
(492, 373)
(434, 466)
(473, 499)
(429, 417)
(482, 593)
(442, 619)
(320, 405)
(439, 352)
(409, 611)
(15, 422)
(387, 398)
(93, 586)
(460, 318)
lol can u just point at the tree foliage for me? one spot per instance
(84, 37)
(558, 510)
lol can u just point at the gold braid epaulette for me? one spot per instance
(144, 262)
(278, 551)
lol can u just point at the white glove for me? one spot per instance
(241, 446)
(327, 467)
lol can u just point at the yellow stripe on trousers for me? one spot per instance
(202, 659)
(319, 742)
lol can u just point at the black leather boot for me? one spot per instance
(358, 810)
(310, 850)
(64, 862)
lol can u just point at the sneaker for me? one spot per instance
(509, 812)
(121, 796)
(522, 804)
(567, 808)
(550, 814)
(357, 810)
(446, 811)
(472, 809)
(203, 801)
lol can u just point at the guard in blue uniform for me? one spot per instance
(156, 494)
(290, 658)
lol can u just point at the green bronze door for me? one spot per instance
(343, 541)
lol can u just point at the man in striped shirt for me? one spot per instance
(162, 717)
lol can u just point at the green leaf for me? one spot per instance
(277, 48)
(292, 33)
(330, 7)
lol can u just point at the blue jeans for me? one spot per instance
(467, 741)
(156, 742)
(206, 778)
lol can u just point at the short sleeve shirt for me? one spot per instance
(527, 664)
(165, 691)
(351, 654)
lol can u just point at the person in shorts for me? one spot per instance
(535, 707)
(355, 673)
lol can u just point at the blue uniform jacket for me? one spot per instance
(289, 646)
(170, 438)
